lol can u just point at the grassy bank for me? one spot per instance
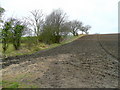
(28, 48)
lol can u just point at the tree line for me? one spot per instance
(49, 29)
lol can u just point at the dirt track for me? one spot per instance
(88, 62)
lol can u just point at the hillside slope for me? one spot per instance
(83, 63)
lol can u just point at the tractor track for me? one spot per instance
(106, 49)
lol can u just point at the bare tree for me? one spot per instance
(66, 28)
(82, 29)
(35, 22)
(28, 30)
(87, 27)
(75, 26)
(55, 21)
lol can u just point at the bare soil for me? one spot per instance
(88, 62)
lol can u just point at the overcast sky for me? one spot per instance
(102, 15)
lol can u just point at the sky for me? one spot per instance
(101, 15)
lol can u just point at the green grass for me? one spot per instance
(28, 48)
(8, 84)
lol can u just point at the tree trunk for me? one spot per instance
(73, 33)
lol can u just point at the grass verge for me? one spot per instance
(29, 49)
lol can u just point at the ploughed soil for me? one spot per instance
(88, 62)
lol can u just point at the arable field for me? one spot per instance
(87, 62)
(110, 44)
